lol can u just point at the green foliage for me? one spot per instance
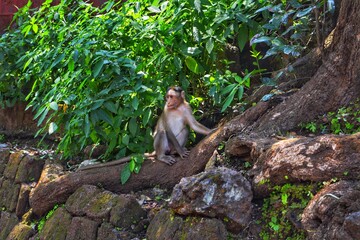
(290, 25)
(285, 202)
(2, 138)
(43, 220)
(98, 75)
(346, 120)
(133, 166)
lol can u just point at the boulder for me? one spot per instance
(4, 158)
(78, 201)
(57, 225)
(21, 232)
(82, 229)
(334, 212)
(126, 212)
(7, 222)
(166, 226)
(314, 159)
(218, 193)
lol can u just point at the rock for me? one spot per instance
(21, 232)
(107, 232)
(9, 193)
(166, 226)
(307, 159)
(12, 165)
(100, 206)
(7, 222)
(82, 229)
(352, 225)
(22, 205)
(29, 169)
(126, 212)
(218, 193)
(57, 225)
(4, 158)
(334, 212)
(78, 201)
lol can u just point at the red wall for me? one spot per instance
(7, 9)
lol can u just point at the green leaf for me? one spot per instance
(229, 100)
(210, 45)
(193, 65)
(57, 60)
(177, 63)
(52, 127)
(125, 139)
(240, 92)
(96, 104)
(137, 168)
(27, 63)
(111, 107)
(131, 165)
(125, 174)
(135, 103)
(26, 29)
(54, 106)
(71, 65)
(154, 9)
(42, 117)
(35, 28)
(133, 126)
(304, 12)
(146, 116)
(97, 67)
(228, 89)
(87, 126)
(260, 39)
(103, 115)
(243, 37)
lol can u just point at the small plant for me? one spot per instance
(285, 202)
(2, 138)
(346, 120)
(43, 220)
(133, 166)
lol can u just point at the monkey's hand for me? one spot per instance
(167, 159)
(185, 153)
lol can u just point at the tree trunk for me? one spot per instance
(336, 83)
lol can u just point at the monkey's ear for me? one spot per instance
(183, 94)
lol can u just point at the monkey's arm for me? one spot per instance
(195, 125)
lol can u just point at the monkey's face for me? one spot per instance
(173, 99)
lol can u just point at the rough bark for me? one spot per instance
(336, 83)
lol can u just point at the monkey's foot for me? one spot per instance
(167, 159)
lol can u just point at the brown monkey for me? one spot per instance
(171, 130)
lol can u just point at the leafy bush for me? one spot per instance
(98, 75)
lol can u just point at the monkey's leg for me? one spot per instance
(161, 146)
(182, 138)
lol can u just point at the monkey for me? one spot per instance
(171, 131)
